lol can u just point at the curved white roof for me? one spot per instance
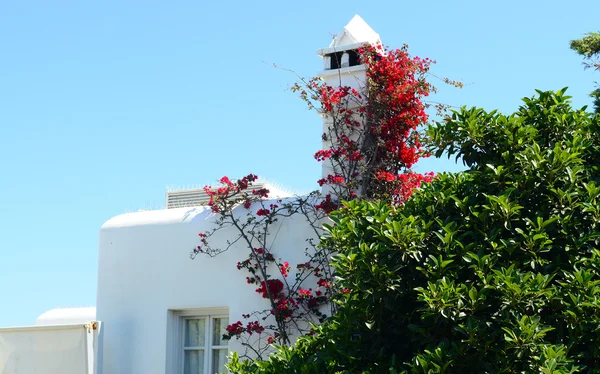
(66, 316)
(158, 217)
(178, 215)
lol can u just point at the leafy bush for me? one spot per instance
(491, 270)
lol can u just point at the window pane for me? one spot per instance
(219, 325)
(193, 362)
(195, 331)
(219, 360)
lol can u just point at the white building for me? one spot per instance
(159, 311)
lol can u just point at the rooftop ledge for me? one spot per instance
(325, 51)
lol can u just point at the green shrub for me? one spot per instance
(491, 270)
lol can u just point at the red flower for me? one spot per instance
(261, 192)
(254, 327)
(274, 286)
(323, 155)
(284, 269)
(235, 329)
(385, 176)
(263, 212)
(225, 180)
(331, 179)
(327, 205)
(323, 283)
(284, 307)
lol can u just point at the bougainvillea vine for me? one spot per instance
(370, 144)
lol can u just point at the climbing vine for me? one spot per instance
(370, 144)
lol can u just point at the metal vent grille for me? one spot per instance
(194, 197)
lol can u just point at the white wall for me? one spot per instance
(145, 271)
(58, 349)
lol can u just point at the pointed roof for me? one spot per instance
(356, 31)
(354, 34)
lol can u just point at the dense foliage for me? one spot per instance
(589, 48)
(491, 270)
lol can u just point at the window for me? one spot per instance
(200, 347)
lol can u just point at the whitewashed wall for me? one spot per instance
(145, 271)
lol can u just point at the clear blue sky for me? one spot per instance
(105, 104)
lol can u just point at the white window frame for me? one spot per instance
(176, 336)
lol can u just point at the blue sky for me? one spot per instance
(103, 105)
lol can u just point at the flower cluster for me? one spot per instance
(285, 307)
(237, 328)
(271, 288)
(374, 134)
(408, 182)
(231, 192)
(331, 179)
(263, 212)
(399, 187)
(284, 269)
(328, 204)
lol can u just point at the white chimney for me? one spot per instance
(342, 68)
